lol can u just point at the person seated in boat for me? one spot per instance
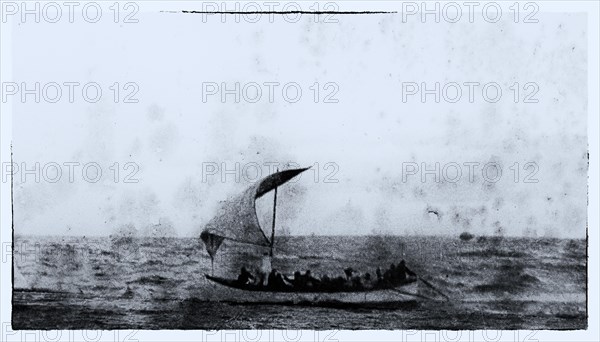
(339, 283)
(348, 272)
(276, 280)
(379, 275)
(302, 281)
(396, 277)
(245, 277)
(367, 281)
(388, 276)
(264, 270)
(357, 282)
(310, 281)
(402, 271)
(271, 279)
(326, 282)
(287, 280)
(298, 280)
(409, 272)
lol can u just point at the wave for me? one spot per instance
(153, 263)
(494, 252)
(151, 280)
(509, 278)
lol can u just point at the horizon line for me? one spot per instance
(309, 235)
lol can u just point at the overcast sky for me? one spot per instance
(366, 136)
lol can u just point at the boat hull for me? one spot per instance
(407, 292)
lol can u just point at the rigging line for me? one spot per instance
(433, 288)
(412, 294)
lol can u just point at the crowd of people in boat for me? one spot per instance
(393, 276)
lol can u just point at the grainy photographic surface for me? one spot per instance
(296, 165)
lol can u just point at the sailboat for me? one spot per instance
(237, 221)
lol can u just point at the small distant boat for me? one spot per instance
(466, 236)
(237, 221)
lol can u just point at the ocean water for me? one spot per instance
(158, 283)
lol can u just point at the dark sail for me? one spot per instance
(236, 220)
(212, 243)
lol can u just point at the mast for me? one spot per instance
(12, 214)
(12, 185)
(274, 215)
